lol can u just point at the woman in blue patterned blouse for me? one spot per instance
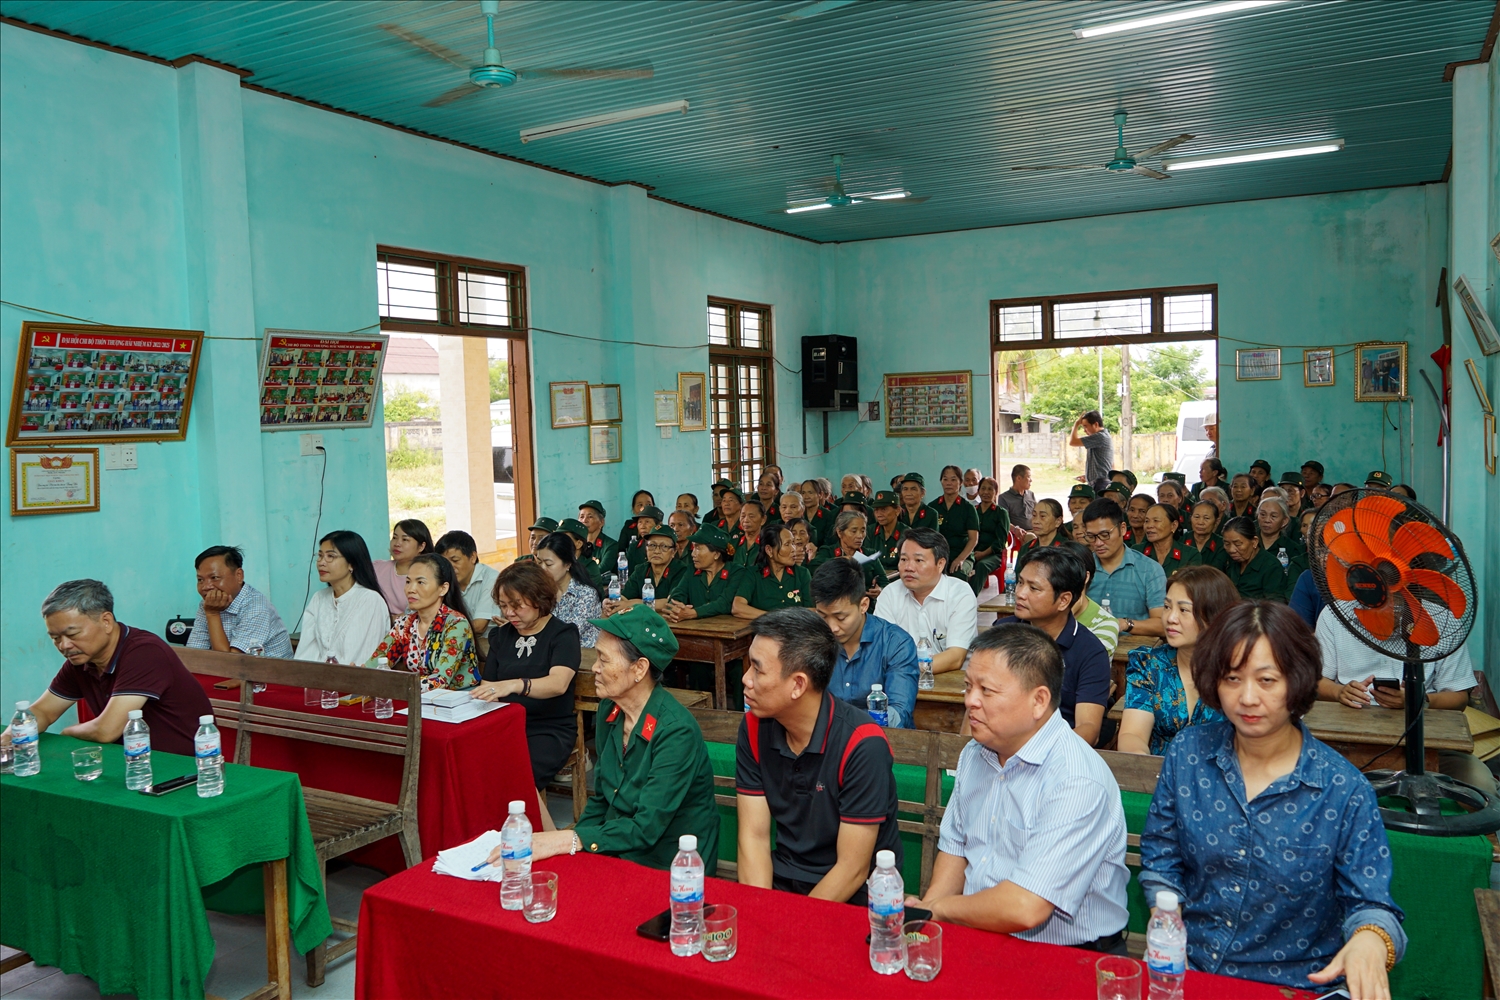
(577, 600)
(1270, 839)
(1161, 699)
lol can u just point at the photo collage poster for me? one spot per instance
(929, 404)
(319, 378)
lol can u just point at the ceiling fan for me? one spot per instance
(838, 197)
(492, 72)
(1123, 161)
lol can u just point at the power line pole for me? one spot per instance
(1126, 420)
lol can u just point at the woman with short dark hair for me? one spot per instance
(774, 580)
(1202, 535)
(1271, 841)
(1254, 572)
(409, 539)
(574, 599)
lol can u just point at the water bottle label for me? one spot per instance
(22, 734)
(881, 718)
(687, 888)
(515, 852)
(1165, 962)
(887, 904)
(206, 746)
(136, 746)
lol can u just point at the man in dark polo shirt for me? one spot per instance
(115, 669)
(816, 765)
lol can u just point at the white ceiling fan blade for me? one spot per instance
(910, 199)
(457, 93)
(1076, 166)
(620, 73)
(803, 202)
(814, 9)
(1162, 147)
(427, 45)
(1148, 172)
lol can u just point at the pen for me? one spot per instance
(483, 864)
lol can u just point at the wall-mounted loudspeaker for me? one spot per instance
(830, 375)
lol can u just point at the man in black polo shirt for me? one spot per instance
(816, 765)
(115, 669)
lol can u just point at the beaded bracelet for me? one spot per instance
(1390, 946)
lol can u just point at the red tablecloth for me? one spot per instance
(469, 771)
(789, 946)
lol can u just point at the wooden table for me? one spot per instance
(715, 640)
(942, 707)
(1001, 606)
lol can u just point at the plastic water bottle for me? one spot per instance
(1283, 558)
(1104, 606)
(137, 741)
(209, 751)
(686, 935)
(515, 855)
(622, 564)
(1010, 576)
(257, 686)
(614, 587)
(23, 739)
(1166, 949)
(878, 703)
(924, 663)
(384, 709)
(887, 911)
(648, 592)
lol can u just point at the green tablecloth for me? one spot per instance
(1434, 883)
(108, 882)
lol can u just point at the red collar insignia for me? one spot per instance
(723, 574)
(838, 552)
(766, 571)
(613, 714)
(649, 729)
(1176, 553)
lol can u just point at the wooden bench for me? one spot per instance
(340, 823)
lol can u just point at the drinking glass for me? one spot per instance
(721, 937)
(924, 949)
(328, 699)
(543, 905)
(311, 696)
(88, 763)
(257, 686)
(1119, 978)
(7, 759)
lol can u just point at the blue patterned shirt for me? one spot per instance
(1271, 888)
(1152, 684)
(249, 622)
(578, 605)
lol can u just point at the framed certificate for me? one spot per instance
(46, 481)
(1317, 367)
(604, 404)
(604, 444)
(1257, 366)
(666, 408)
(570, 404)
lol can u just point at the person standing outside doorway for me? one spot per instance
(1098, 446)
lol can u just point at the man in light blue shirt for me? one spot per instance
(234, 615)
(1033, 842)
(1134, 584)
(870, 650)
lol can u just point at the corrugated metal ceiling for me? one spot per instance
(938, 97)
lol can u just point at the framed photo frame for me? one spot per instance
(604, 404)
(86, 384)
(1380, 372)
(604, 444)
(53, 481)
(1484, 397)
(929, 404)
(666, 408)
(1479, 320)
(1317, 367)
(308, 377)
(1259, 365)
(570, 404)
(692, 401)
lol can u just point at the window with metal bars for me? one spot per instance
(742, 422)
(427, 293)
(1146, 315)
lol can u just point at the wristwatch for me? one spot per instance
(1129, 627)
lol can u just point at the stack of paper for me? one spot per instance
(442, 705)
(463, 860)
(1485, 729)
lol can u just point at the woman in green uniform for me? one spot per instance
(709, 589)
(1048, 527)
(913, 512)
(646, 521)
(653, 782)
(994, 534)
(958, 522)
(1280, 539)
(849, 540)
(660, 548)
(583, 553)
(1162, 524)
(775, 580)
(1254, 572)
(1203, 536)
(885, 539)
(1135, 517)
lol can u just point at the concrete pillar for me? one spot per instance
(468, 469)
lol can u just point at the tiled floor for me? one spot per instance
(240, 947)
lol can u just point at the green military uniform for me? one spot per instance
(744, 555)
(1296, 553)
(1058, 539)
(874, 572)
(764, 591)
(631, 589)
(586, 562)
(1212, 553)
(954, 523)
(994, 534)
(773, 511)
(604, 550)
(1179, 557)
(820, 525)
(658, 786)
(1262, 578)
(708, 594)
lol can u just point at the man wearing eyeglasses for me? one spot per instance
(1134, 584)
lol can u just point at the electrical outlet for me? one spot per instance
(311, 444)
(119, 456)
(666, 432)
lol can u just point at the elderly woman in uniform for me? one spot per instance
(654, 782)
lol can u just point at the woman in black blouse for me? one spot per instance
(533, 660)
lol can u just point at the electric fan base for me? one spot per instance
(1423, 795)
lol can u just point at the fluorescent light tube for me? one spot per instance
(608, 118)
(890, 196)
(1251, 155)
(808, 208)
(1170, 17)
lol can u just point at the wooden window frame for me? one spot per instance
(1158, 334)
(732, 354)
(447, 267)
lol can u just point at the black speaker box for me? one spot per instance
(830, 373)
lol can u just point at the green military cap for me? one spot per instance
(885, 498)
(1261, 464)
(574, 527)
(724, 484)
(1381, 479)
(713, 536)
(1291, 479)
(734, 492)
(1177, 477)
(644, 629)
(1129, 476)
(662, 532)
(654, 513)
(854, 498)
(1119, 488)
(1313, 465)
(594, 505)
(544, 524)
(914, 477)
(1082, 490)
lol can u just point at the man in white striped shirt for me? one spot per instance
(1033, 842)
